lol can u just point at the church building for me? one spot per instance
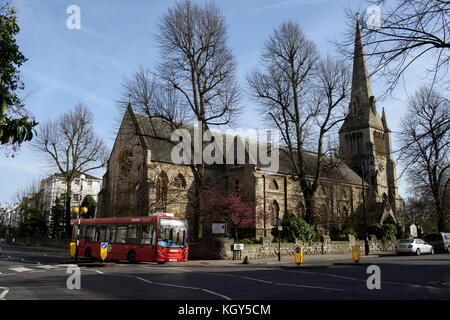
(141, 177)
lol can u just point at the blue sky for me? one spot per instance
(88, 65)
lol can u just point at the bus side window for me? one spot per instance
(110, 233)
(132, 234)
(146, 235)
(82, 232)
(100, 233)
(90, 233)
(153, 232)
(121, 235)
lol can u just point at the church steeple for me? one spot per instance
(384, 121)
(362, 108)
(361, 89)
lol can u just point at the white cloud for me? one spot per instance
(56, 85)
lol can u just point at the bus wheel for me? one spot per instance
(87, 253)
(160, 262)
(131, 256)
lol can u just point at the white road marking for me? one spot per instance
(176, 286)
(270, 282)
(217, 294)
(20, 269)
(323, 274)
(259, 280)
(167, 284)
(37, 271)
(47, 267)
(4, 293)
(308, 287)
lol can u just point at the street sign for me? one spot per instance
(356, 253)
(103, 250)
(238, 247)
(73, 249)
(298, 254)
(218, 228)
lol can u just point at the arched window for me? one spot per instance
(179, 181)
(273, 185)
(161, 189)
(124, 163)
(275, 211)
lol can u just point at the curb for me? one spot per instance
(304, 267)
(97, 265)
(354, 264)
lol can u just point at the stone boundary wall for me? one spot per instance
(222, 248)
(61, 243)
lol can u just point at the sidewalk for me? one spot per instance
(285, 261)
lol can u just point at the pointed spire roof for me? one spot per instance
(384, 121)
(362, 108)
(360, 79)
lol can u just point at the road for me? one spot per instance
(43, 275)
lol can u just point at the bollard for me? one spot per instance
(298, 255)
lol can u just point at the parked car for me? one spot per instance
(415, 246)
(440, 241)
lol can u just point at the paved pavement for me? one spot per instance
(308, 260)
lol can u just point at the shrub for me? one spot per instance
(343, 236)
(295, 228)
(383, 231)
(249, 241)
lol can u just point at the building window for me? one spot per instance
(124, 163)
(275, 211)
(89, 183)
(379, 142)
(77, 182)
(75, 197)
(179, 181)
(273, 185)
(161, 189)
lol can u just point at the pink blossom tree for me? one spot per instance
(230, 208)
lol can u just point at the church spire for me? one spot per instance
(361, 90)
(384, 121)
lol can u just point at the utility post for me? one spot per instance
(77, 210)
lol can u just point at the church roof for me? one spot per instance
(156, 133)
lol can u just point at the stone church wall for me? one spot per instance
(222, 248)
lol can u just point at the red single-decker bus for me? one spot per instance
(161, 237)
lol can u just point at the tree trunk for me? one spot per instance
(310, 207)
(68, 215)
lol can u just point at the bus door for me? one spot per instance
(146, 248)
(120, 247)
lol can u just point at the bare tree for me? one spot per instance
(425, 147)
(407, 31)
(302, 96)
(72, 147)
(195, 79)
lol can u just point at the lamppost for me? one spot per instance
(362, 160)
(76, 210)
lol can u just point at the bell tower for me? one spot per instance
(364, 138)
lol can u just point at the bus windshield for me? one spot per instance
(172, 233)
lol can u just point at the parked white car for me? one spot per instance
(414, 246)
